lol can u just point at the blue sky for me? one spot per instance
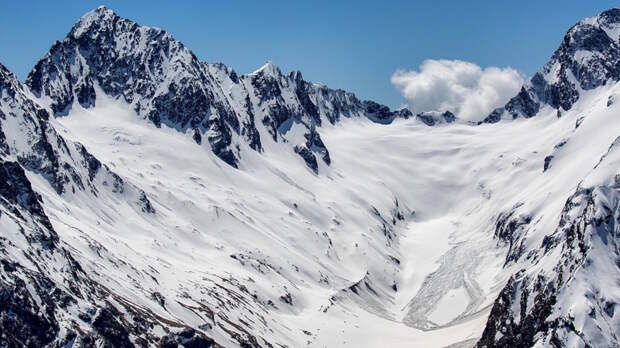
(354, 45)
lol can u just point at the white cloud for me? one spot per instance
(461, 87)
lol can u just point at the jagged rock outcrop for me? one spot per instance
(432, 118)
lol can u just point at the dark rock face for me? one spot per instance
(524, 103)
(302, 91)
(314, 145)
(382, 114)
(90, 162)
(22, 321)
(308, 157)
(428, 120)
(187, 338)
(494, 117)
(314, 142)
(432, 118)
(107, 326)
(449, 117)
(16, 189)
(547, 163)
(145, 203)
(166, 83)
(603, 63)
(27, 319)
(528, 309)
(29, 300)
(501, 329)
(510, 228)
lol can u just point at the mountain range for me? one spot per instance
(148, 198)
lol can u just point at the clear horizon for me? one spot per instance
(356, 46)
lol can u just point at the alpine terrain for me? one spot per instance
(148, 198)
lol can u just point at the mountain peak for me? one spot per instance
(269, 68)
(100, 14)
(587, 58)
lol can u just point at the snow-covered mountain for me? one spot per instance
(165, 82)
(307, 217)
(588, 58)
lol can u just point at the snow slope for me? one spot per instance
(314, 237)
